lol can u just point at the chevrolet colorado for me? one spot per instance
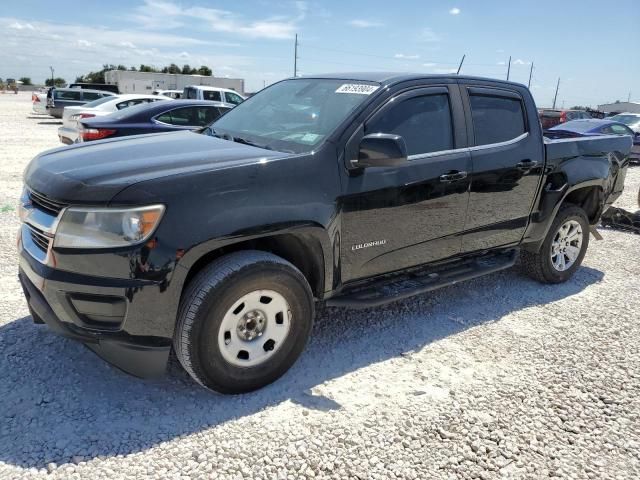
(343, 190)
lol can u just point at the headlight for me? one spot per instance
(23, 205)
(106, 227)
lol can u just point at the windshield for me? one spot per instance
(293, 115)
(626, 119)
(97, 102)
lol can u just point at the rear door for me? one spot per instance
(398, 217)
(508, 157)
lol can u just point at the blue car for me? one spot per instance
(155, 117)
(594, 127)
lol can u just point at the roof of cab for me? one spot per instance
(389, 78)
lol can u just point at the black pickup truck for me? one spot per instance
(343, 190)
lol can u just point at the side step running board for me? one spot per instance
(411, 284)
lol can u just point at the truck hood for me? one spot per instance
(94, 172)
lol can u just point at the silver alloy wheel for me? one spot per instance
(566, 245)
(254, 328)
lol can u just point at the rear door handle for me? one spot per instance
(453, 176)
(526, 164)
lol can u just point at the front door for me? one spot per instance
(398, 217)
(508, 158)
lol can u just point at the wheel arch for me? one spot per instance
(588, 195)
(307, 248)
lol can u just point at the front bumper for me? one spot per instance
(90, 310)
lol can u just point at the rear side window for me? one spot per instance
(618, 130)
(91, 96)
(233, 98)
(67, 95)
(496, 119)
(424, 122)
(211, 95)
(190, 116)
(192, 94)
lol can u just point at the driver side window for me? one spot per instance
(424, 122)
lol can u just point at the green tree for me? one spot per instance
(187, 70)
(173, 68)
(57, 82)
(26, 80)
(147, 68)
(206, 71)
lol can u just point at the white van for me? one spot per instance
(217, 94)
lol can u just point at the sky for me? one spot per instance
(592, 46)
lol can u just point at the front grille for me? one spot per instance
(41, 240)
(43, 203)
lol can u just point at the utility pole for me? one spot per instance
(509, 68)
(51, 68)
(530, 75)
(461, 62)
(629, 97)
(555, 97)
(295, 57)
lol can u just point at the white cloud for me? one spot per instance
(428, 35)
(164, 14)
(429, 65)
(454, 11)
(21, 26)
(502, 63)
(519, 61)
(84, 43)
(360, 23)
(404, 56)
(446, 70)
(127, 44)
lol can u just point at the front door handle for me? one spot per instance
(453, 176)
(526, 165)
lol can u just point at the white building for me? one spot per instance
(147, 82)
(631, 107)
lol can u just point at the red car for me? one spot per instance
(550, 117)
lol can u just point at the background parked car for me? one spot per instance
(152, 118)
(593, 127)
(550, 117)
(68, 132)
(59, 98)
(216, 94)
(39, 100)
(175, 94)
(631, 120)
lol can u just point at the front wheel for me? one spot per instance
(243, 321)
(563, 249)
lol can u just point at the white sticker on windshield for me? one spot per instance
(359, 88)
(309, 137)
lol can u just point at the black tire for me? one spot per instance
(211, 294)
(539, 265)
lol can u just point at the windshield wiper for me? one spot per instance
(244, 141)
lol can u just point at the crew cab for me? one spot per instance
(350, 190)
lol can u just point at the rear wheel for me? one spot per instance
(563, 249)
(243, 321)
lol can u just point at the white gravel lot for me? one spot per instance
(499, 377)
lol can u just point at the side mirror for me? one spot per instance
(381, 150)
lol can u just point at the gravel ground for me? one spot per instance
(499, 377)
